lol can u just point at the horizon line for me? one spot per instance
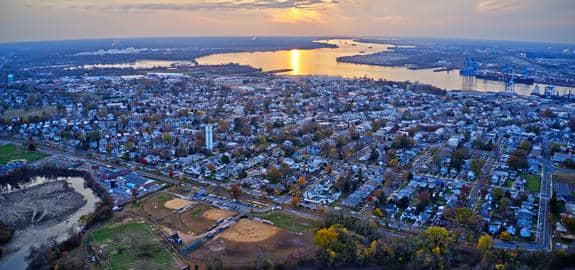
(281, 36)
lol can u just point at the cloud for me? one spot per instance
(391, 20)
(225, 5)
(487, 6)
(295, 16)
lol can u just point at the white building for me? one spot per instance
(209, 137)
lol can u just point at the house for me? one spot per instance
(561, 157)
(525, 232)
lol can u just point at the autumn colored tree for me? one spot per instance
(236, 191)
(438, 239)
(485, 243)
(424, 196)
(328, 168)
(301, 182)
(134, 194)
(378, 212)
(505, 236)
(295, 199)
(324, 237)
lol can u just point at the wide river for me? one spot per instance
(19, 247)
(323, 62)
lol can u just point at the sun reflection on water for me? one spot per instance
(295, 61)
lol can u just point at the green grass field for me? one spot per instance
(533, 182)
(10, 152)
(131, 246)
(290, 222)
(162, 198)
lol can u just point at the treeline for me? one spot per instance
(56, 257)
(349, 242)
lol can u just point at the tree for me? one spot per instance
(485, 243)
(424, 197)
(402, 141)
(498, 193)
(167, 137)
(436, 160)
(476, 166)
(403, 202)
(505, 236)
(569, 223)
(438, 239)
(547, 113)
(225, 159)
(236, 191)
(323, 238)
(518, 159)
(457, 158)
(378, 212)
(262, 140)
(212, 167)
(525, 146)
(273, 174)
(295, 199)
(6, 233)
(134, 194)
(32, 145)
(243, 174)
(223, 126)
(301, 182)
(374, 155)
(571, 124)
(328, 168)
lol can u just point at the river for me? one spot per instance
(323, 62)
(18, 248)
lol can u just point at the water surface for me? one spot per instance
(323, 62)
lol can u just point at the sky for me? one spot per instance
(530, 20)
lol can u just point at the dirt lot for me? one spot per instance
(177, 204)
(249, 231)
(248, 241)
(195, 220)
(216, 214)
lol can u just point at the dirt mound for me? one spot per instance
(177, 203)
(249, 231)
